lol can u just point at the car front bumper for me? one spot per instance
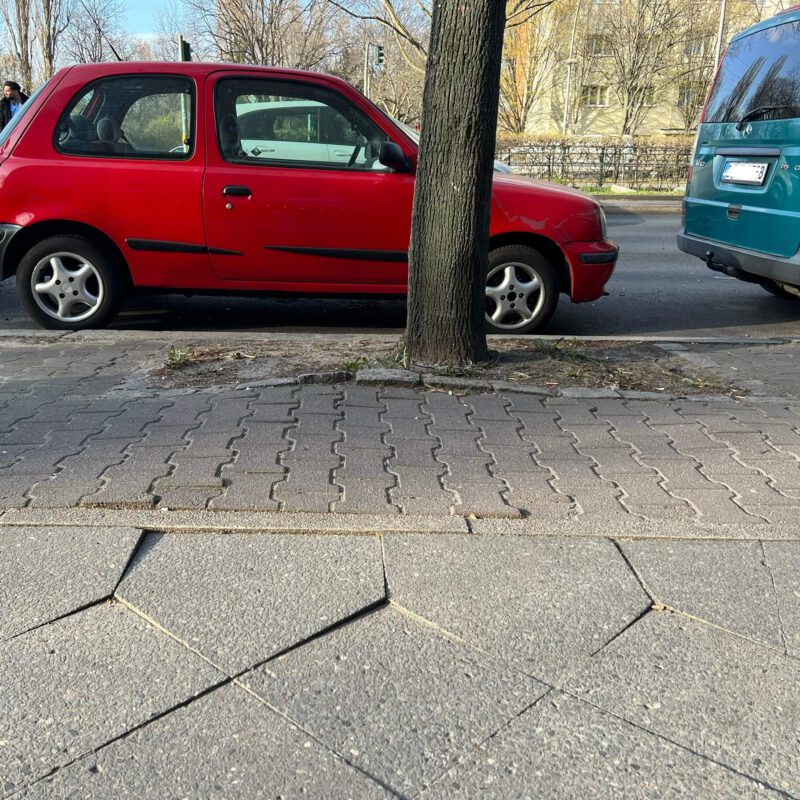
(590, 266)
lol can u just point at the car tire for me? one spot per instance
(70, 283)
(521, 290)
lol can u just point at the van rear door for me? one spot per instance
(745, 185)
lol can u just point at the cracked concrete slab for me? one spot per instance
(783, 559)
(394, 696)
(48, 572)
(543, 604)
(722, 696)
(725, 583)
(566, 749)
(225, 744)
(71, 686)
(239, 599)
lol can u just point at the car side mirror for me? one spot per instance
(391, 155)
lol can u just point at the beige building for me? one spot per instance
(587, 78)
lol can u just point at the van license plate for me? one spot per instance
(745, 172)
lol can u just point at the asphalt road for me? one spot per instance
(656, 291)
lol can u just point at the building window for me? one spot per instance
(690, 95)
(598, 45)
(594, 96)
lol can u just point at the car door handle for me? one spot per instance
(237, 191)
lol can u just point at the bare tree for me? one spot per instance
(449, 249)
(642, 36)
(17, 18)
(51, 18)
(530, 56)
(403, 17)
(95, 32)
(286, 33)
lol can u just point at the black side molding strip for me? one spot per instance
(762, 152)
(352, 255)
(157, 246)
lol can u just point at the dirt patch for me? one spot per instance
(554, 364)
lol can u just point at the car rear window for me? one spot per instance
(760, 71)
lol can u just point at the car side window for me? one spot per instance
(293, 124)
(130, 116)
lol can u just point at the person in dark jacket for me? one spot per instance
(13, 98)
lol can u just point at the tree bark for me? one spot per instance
(449, 250)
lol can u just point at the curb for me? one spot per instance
(419, 380)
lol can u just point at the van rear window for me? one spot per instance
(759, 77)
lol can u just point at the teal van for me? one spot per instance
(741, 212)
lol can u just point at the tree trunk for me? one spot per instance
(449, 252)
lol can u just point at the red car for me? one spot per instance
(222, 178)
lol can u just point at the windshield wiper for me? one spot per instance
(758, 112)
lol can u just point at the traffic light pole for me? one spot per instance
(367, 70)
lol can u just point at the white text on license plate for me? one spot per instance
(744, 172)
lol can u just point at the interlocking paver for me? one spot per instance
(397, 698)
(719, 695)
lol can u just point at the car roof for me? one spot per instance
(192, 69)
(790, 15)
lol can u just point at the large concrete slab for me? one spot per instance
(720, 695)
(726, 583)
(226, 744)
(394, 696)
(544, 604)
(563, 748)
(46, 573)
(71, 686)
(239, 599)
(783, 559)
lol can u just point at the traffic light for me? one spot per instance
(379, 56)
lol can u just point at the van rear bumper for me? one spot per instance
(732, 260)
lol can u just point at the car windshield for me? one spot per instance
(20, 115)
(759, 77)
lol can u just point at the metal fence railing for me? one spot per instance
(591, 164)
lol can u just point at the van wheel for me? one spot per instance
(69, 283)
(521, 290)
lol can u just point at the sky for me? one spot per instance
(141, 16)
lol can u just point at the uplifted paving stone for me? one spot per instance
(719, 695)
(241, 598)
(46, 573)
(784, 561)
(224, 745)
(544, 604)
(395, 697)
(726, 583)
(71, 686)
(563, 748)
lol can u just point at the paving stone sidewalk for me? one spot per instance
(606, 602)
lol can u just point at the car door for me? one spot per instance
(281, 209)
